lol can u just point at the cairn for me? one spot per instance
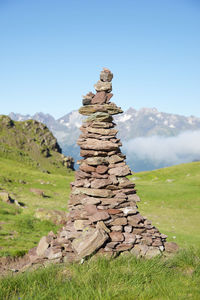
(103, 214)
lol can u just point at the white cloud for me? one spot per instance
(169, 150)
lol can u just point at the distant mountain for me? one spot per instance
(132, 124)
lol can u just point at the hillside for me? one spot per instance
(32, 143)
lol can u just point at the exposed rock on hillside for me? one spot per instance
(31, 142)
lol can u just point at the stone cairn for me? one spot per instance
(103, 214)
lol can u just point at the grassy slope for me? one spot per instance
(171, 199)
(19, 230)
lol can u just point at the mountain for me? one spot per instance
(32, 143)
(132, 125)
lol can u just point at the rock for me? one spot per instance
(129, 211)
(124, 247)
(129, 237)
(171, 247)
(93, 144)
(135, 219)
(86, 101)
(134, 198)
(81, 224)
(99, 216)
(101, 169)
(106, 76)
(5, 197)
(109, 96)
(119, 221)
(128, 229)
(52, 253)
(92, 192)
(99, 98)
(101, 225)
(42, 246)
(100, 183)
(94, 161)
(152, 252)
(103, 131)
(90, 200)
(109, 108)
(120, 171)
(100, 117)
(117, 228)
(89, 242)
(103, 86)
(86, 168)
(116, 236)
(139, 250)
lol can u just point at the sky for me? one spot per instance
(51, 53)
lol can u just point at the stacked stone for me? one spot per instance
(103, 213)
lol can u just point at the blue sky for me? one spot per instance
(51, 53)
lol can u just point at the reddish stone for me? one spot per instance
(124, 247)
(171, 247)
(99, 176)
(100, 183)
(120, 171)
(99, 216)
(108, 97)
(99, 98)
(91, 153)
(116, 236)
(135, 219)
(119, 221)
(129, 237)
(86, 168)
(91, 209)
(113, 211)
(101, 169)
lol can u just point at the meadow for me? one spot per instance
(170, 197)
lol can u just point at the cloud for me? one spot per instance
(166, 150)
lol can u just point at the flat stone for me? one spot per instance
(116, 236)
(103, 131)
(113, 211)
(99, 176)
(157, 243)
(128, 229)
(129, 237)
(94, 161)
(86, 101)
(112, 245)
(171, 247)
(90, 200)
(93, 144)
(120, 171)
(103, 86)
(91, 153)
(125, 183)
(100, 124)
(110, 108)
(86, 168)
(99, 98)
(99, 216)
(113, 159)
(117, 228)
(101, 169)
(92, 192)
(134, 197)
(106, 76)
(119, 221)
(91, 209)
(81, 224)
(102, 225)
(135, 219)
(52, 254)
(109, 96)
(89, 242)
(100, 183)
(100, 117)
(124, 247)
(129, 211)
(42, 246)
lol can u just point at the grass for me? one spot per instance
(19, 229)
(171, 199)
(123, 278)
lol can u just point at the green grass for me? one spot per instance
(123, 278)
(171, 199)
(19, 229)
